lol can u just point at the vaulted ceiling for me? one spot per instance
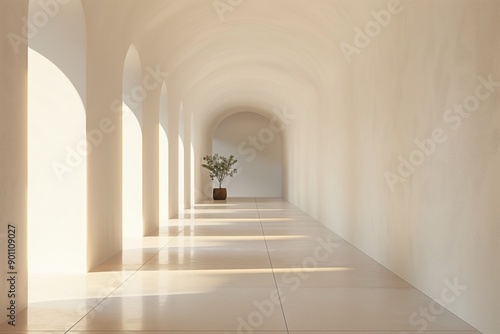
(225, 54)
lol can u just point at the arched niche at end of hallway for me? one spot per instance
(257, 144)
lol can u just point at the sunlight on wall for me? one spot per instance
(132, 175)
(57, 179)
(132, 147)
(163, 134)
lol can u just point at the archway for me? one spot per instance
(256, 142)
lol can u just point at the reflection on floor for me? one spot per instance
(241, 266)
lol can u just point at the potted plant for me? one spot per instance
(220, 167)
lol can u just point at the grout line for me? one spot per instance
(272, 267)
(125, 281)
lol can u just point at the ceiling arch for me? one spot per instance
(263, 55)
(283, 52)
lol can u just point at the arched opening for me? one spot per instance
(57, 152)
(163, 157)
(132, 181)
(58, 144)
(256, 142)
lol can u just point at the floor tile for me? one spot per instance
(56, 315)
(322, 251)
(360, 309)
(359, 276)
(151, 282)
(217, 309)
(221, 230)
(190, 250)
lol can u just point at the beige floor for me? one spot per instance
(245, 266)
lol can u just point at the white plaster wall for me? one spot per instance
(104, 209)
(250, 138)
(106, 50)
(187, 157)
(174, 104)
(442, 222)
(151, 161)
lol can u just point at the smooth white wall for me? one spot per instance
(151, 154)
(254, 141)
(106, 50)
(442, 222)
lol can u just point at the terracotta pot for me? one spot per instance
(219, 194)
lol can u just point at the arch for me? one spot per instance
(255, 140)
(58, 141)
(132, 156)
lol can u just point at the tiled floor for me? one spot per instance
(245, 266)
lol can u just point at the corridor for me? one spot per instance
(241, 266)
